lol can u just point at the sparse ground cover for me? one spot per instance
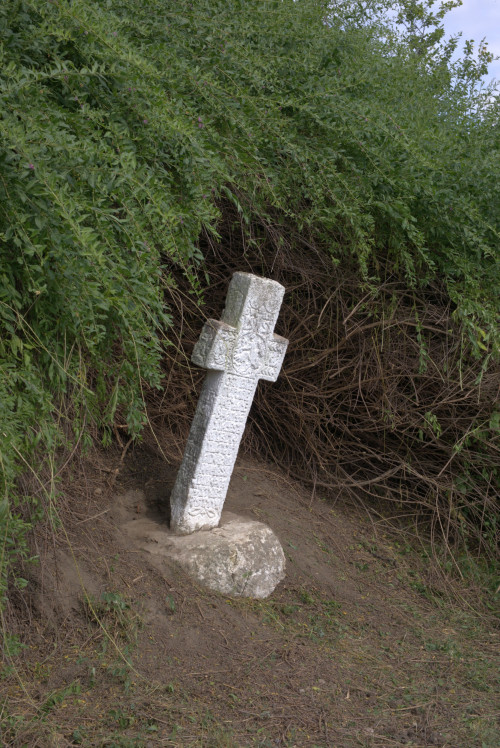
(361, 645)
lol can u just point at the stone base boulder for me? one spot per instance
(240, 558)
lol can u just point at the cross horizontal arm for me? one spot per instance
(215, 345)
(273, 360)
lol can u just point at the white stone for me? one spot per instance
(241, 558)
(238, 351)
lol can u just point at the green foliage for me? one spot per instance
(126, 125)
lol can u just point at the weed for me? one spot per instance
(122, 718)
(306, 598)
(448, 647)
(12, 647)
(79, 735)
(56, 698)
(114, 614)
(170, 604)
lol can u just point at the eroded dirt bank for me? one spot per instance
(357, 647)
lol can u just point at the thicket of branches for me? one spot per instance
(378, 399)
(135, 134)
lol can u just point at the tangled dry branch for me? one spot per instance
(378, 398)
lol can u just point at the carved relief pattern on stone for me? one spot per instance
(238, 351)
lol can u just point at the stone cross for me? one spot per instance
(237, 351)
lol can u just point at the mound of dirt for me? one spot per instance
(358, 646)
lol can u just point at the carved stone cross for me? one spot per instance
(237, 351)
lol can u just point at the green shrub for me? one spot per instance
(125, 126)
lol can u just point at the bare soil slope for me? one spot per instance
(359, 646)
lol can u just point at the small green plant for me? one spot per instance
(79, 735)
(170, 604)
(12, 647)
(114, 614)
(56, 698)
(305, 597)
(113, 602)
(122, 718)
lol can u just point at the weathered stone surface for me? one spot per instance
(238, 351)
(240, 558)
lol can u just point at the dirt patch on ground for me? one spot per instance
(355, 648)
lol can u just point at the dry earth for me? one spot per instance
(360, 645)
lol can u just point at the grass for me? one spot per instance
(109, 708)
(359, 647)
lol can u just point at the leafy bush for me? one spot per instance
(127, 127)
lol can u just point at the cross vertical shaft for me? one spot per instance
(237, 351)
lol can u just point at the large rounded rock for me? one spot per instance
(241, 557)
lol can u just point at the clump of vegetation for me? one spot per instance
(134, 134)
